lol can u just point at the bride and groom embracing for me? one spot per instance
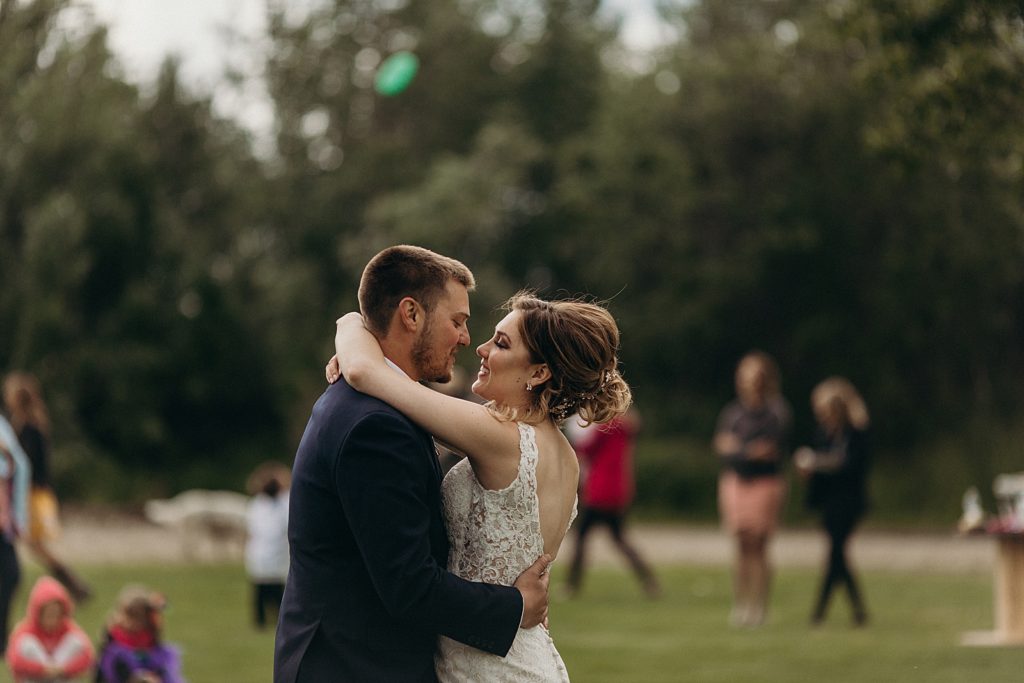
(385, 557)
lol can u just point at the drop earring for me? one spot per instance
(529, 387)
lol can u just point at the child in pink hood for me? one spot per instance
(47, 646)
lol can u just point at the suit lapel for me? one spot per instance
(432, 454)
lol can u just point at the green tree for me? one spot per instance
(792, 178)
(120, 219)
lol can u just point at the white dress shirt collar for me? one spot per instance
(395, 367)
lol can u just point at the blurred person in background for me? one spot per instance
(133, 649)
(836, 468)
(750, 439)
(266, 543)
(605, 453)
(14, 483)
(30, 419)
(47, 646)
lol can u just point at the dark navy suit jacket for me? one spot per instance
(367, 591)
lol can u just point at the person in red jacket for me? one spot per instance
(606, 472)
(47, 645)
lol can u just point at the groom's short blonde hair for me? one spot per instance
(405, 270)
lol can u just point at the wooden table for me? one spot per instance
(1009, 595)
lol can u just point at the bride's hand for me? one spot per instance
(350, 319)
(333, 370)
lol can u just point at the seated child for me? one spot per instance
(47, 646)
(134, 652)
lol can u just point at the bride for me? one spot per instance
(514, 496)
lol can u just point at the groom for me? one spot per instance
(367, 591)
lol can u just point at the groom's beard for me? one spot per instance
(432, 364)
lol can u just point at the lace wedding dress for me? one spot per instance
(494, 536)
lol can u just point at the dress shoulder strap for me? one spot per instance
(528, 453)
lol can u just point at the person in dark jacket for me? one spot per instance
(836, 468)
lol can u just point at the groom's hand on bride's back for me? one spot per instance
(533, 584)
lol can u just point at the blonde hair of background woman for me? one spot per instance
(842, 390)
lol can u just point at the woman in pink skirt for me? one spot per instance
(750, 439)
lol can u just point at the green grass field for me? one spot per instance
(611, 633)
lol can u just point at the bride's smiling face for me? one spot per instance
(505, 365)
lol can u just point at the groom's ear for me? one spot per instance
(410, 314)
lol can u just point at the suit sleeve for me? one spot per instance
(384, 483)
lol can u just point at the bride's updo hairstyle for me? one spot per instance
(578, 341)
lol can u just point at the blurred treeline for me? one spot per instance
(838, 182)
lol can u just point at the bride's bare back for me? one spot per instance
(558, 475)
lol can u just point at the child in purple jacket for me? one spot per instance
(134, 651)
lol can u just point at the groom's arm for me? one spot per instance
(383, 479)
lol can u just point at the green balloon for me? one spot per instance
(396, 73)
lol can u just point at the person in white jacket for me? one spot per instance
(266, 549)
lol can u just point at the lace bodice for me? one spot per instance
(495, 535)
